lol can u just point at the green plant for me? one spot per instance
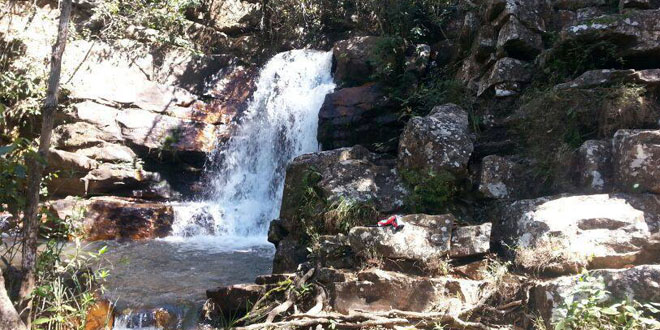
(345, 214)
(571, 58)
(586, 307)
(430, 192)
(115, 19)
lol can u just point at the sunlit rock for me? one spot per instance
(107, 218)
(594, 166)
(377, 290)
(564, 234)
(422, 238)
(637, 160)
(439, 142)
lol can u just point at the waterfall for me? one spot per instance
(280, 123)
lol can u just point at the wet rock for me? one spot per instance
(358, 115)
(517, 41)
(637, 159)
(107, 218)
(636, 36)
(594, 163)
(578, 4)
(506, 77)
(639, 283)
(564, 234)
(439, 142)
(353, 60)
(597, 78)
(235, 300)
(423, 237)
(470, 241)
(503, 178)
(100, 316)
(377, 290)
(289, 253)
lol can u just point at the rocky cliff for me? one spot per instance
(519, 140)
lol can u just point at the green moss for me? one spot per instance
(430, 192)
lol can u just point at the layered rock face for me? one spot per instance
(138, 122)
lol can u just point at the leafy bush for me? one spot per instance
(586, 307)
(111, 19)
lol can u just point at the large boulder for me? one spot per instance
(354, 174)
(563, 234)
(637, 160)
(353, 64)
(641, 283)
(107, 218)
(348, 176)
(380, 291)
(358, 115)
(422, 238)
(438, 143)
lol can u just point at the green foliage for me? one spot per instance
(412, 20)
(553, 123)
(166, 19)
(435, 89)
(431, 193)
(571, 58)
(66, 288)
(21, 92)
(345, 214)
(586, 308)
(13, 176)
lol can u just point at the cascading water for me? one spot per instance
(221, 239)
(280, 123)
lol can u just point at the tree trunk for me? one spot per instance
(35, 163)
(9, 318)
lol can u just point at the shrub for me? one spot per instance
(430, 192)
(587, 307)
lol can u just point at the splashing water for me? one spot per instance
(280, 123)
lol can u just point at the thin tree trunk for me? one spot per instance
(35, 164)
(9, 318)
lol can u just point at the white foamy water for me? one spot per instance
(280, 123)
